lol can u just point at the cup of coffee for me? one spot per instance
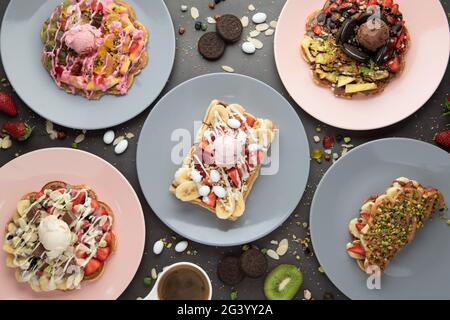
(182, 281)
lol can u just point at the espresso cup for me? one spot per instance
(182, 281)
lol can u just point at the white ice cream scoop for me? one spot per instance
(55, 236)
(227, 151)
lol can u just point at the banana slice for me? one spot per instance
(218, 110)
(240, 206)
(222, 213)
(22, 205)
(236, 108)
(264, 136)
(187, 191)
(182, 175)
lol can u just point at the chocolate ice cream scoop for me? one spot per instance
(373, 34)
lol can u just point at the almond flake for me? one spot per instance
(49, 126)
(118, 140)
(251, 7)
(283, 247)
(258, 44)
(6, 143)
(211, 20)
(273, 24)
(228, 69)
(194, 13)
(272, 254)
(154, 274)
(269, 32)
(254, 33)
(129, 135)
(80, 138)
(307, 294)
(262, 27)
(245, 21)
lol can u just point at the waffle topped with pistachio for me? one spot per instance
(388, 223)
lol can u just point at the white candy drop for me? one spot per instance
(219, 192)
(204, 191)
(196, 176)
(121, 147)
(214, 176)
(234, 123)
(248, 47)
(181, 246)
(260, 17)
(158, 247)
(109, 137)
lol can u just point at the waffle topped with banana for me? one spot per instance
(59, 237)
(388, 223)
(222, 166)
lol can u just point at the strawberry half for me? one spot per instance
(18, 130)
(443, 138)
(358, 250)
(102, 254)
(210, 200)
(7, 104)
(92, 267)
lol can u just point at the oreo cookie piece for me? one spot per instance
(211, 46)
(230, 28)
(253, 263)
(229, 271)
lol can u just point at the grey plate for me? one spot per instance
(273, 197)
(21, 54)
(421, 270)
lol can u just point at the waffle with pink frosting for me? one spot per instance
(94, 47)
(222, 166)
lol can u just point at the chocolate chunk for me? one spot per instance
(68, 218)
(32, 212)
(38, 251)
(229, 271)
(253, 263)
(211, 46)
(230, 28)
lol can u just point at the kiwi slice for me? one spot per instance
(283, 282)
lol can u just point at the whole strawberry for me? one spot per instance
(443, 138)
(7, 104)
(18, 130)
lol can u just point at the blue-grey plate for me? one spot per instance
(21, 50)
(273, 197)
(420, 271)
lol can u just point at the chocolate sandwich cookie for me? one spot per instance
(211, 46)
(253, 263)
(229, 27)
(229, 271)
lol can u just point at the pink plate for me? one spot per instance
(32, 171)
(425, 66)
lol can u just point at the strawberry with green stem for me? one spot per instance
(18, 130)
(443, 138)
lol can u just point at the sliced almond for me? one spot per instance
(262, 27)
(273, 24)
(269, 32)
(272, 254)
(283, 247)
(118, 140)
(228, 69)
(258, 44)
(80, 138)
(245, 21)
(254, 33)
(211, 20)
(195, 13)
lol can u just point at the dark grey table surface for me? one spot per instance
(422, 125)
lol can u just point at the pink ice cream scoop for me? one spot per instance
(84, 39)
(227, 151)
